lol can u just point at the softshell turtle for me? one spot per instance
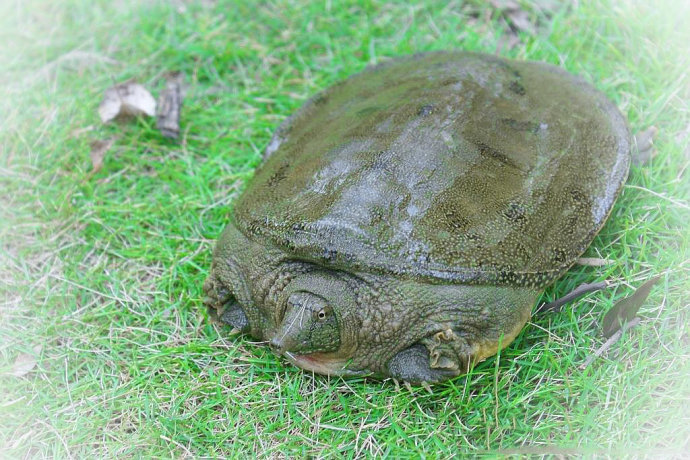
(405, 220)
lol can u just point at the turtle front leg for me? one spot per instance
(413, 365)
(222, 305)
(435, 358)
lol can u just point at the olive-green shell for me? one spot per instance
(450, 166)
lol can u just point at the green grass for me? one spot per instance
(105, 271)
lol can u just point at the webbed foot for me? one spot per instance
(235, 316)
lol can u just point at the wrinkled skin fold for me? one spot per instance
(404, 221)
(411, 330)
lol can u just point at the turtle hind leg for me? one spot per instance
(413, 365)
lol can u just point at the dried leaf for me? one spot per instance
(516, 16)
(593, 261)
(681, 138)
(25, 362)
(626, 309)
(520, 20)
(549, 7)
(169, 104)
(507, 41)
(79, 131)
(98, 150)
(126, 100)
(505, 4)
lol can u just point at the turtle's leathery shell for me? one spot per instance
(448, 166)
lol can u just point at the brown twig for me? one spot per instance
(555, 306)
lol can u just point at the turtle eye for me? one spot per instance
(322, 314)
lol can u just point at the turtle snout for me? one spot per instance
(281, 344)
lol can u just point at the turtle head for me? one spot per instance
(309, 325)
(317, 323)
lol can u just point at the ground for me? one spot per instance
(101, 272)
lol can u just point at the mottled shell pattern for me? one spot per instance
(455, 167)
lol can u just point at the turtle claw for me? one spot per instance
(643, 150)
(223, 306)
(427, 387)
